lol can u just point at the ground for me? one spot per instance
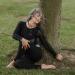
(12, 11)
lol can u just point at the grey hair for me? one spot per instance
(33, 12)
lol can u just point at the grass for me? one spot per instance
(10, 13)
(67, 31)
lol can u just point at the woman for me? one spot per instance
(29, 52)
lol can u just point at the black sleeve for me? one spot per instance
(45, 43)
(17, 31)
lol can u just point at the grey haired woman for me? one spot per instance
(29, 52)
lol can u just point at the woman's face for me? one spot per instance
(36, 18)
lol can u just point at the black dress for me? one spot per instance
(26, 58)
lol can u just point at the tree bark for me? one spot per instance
(51, 10)
(52, 13)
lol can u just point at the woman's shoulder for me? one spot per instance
(22, 22)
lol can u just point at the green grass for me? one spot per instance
(67, 31)
(10, 13)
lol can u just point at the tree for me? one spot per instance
(52, 13)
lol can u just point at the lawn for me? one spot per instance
(12, 11)
(67, 30)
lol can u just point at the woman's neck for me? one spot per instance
(30, 25)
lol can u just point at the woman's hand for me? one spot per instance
(25, 43)
(59, 57)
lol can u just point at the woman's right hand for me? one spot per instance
(25, 43)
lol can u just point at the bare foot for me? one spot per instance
(59, 57)
(10, 65)
(44, 66)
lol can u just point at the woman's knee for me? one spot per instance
(18, 64)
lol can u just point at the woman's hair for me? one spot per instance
(34, 12)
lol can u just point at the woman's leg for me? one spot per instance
(34, 53)
(21, 64)
(20, 52)
(25, 63)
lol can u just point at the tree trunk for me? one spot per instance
(52, 10)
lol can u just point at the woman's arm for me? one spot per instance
(45, 43)
(17, 31)
(17, 36)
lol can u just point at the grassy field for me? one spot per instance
(12, 11)
(67, 31)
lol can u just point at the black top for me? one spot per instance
(33, 34)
